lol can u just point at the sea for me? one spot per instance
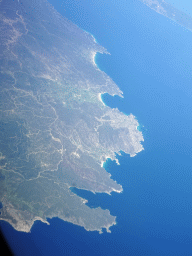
(151, 62)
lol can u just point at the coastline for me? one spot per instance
(100, 99)
(25, 225)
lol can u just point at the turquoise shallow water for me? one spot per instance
(151, 62)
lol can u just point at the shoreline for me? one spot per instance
(101, 100)
(28, 228)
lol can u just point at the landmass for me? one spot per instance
(55, 131)
(169, 11)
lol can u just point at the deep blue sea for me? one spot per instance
(151, 62)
